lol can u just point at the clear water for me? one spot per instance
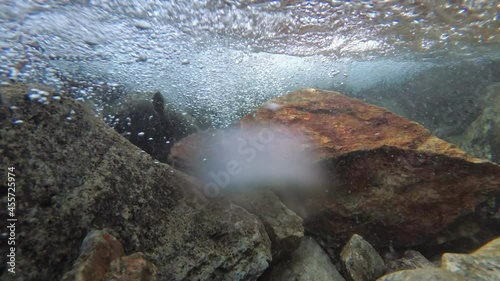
(224, 58)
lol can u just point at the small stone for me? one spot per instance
(360, 261)
(410, 260)
(132, 268)
(97, 251)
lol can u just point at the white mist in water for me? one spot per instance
(257, 157)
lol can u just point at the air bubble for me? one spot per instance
(141, 24)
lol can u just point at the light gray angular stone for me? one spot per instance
(360, 261)
(482, 265)
(308, 263)
(422, 274)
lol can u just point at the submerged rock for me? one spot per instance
(97, 251)
(102, 258)
(482, 137)
(151, 127)
(309, 262)
(482, 265)
(132, 268)
(360, 261)
(389, 179)
(443, 98)
(283, 226)
(189, 153)
(384, 172)
(410, 260)
(434, 274)
(77, 174)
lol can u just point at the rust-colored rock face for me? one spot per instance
(336, 124)
(390, 180)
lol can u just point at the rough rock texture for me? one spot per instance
(308, 263)
(74, 173)
(283, 226)
(97, 251)
(410, 260)
(427, 274)
(482, 265)
(132, 268)
(360, 261)
(482, 137)
(385, 172)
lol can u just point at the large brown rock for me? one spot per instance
(74, 174)
(388, 179)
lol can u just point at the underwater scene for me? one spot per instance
(285, 140)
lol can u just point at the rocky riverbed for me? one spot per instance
(93, 206)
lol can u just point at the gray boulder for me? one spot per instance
(283, 226)
(74, 174)
(308, 263)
